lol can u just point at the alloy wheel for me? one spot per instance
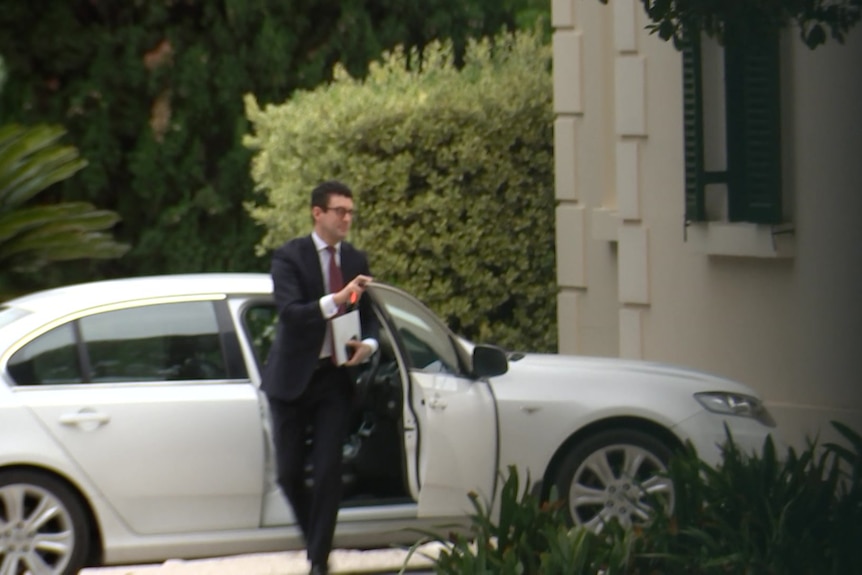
(37, 533)
(618, 482)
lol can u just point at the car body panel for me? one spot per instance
(395, 525)
(25, 443)
(95, 294)
(125, 437)
(458, 445)
(544, 399)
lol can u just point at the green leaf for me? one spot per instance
(816, 36)
(30, 236)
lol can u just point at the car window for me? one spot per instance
(164, 342)
(49, 359)
(424, 339)
(259, 322)
(159, 342)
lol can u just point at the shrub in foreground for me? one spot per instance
(755, 513)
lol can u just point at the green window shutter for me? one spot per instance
(752, 89)
(692, 101)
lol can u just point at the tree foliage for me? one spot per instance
(817, 19)
(453, 174)
(34, 234)
(151, 93)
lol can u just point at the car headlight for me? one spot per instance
(738, 404)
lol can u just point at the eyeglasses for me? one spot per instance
(340, 212)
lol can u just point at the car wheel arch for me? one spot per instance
(95, 554)
(656, 430)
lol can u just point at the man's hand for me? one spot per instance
(359, 352)
(351, 293)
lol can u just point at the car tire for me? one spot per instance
(43, 525)
(614, 474)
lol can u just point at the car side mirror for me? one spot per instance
(489, 360)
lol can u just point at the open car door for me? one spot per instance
(450, 419)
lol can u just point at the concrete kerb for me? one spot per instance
(342, 561)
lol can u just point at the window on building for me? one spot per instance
(732, 121)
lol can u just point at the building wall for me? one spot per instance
(780, 312)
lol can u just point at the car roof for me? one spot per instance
(120, 290)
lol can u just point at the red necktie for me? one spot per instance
(336, 280)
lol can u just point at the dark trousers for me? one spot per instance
(325, 408)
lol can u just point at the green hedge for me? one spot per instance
(453, 174)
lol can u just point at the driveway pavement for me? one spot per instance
(342, 561)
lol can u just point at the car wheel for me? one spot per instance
(615, 474)
(43, 526)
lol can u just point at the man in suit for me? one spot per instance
(304, 387)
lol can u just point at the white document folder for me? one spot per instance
(345, 327)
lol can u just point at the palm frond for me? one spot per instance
(31, 161)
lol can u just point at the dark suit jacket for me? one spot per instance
(298, 286)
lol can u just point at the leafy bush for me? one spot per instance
(756, 513)
(453, 174)
(761, 513)
(528, 537)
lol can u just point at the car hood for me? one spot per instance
(532, 368)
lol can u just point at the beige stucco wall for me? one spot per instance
(636, 283)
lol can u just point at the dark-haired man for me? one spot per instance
(314, 278)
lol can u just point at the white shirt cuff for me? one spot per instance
(328, 306)
(370, 341)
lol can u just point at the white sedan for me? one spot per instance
(132, 428)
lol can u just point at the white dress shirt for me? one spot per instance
(328, 307)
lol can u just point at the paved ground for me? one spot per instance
(342, 561)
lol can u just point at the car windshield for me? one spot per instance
(10, 314)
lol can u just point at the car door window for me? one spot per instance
(425, 340)
(152, 343)
(50, 359)
(259, 321)
(176, 341)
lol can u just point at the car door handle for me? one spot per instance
(86, 418)
(435, 403)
